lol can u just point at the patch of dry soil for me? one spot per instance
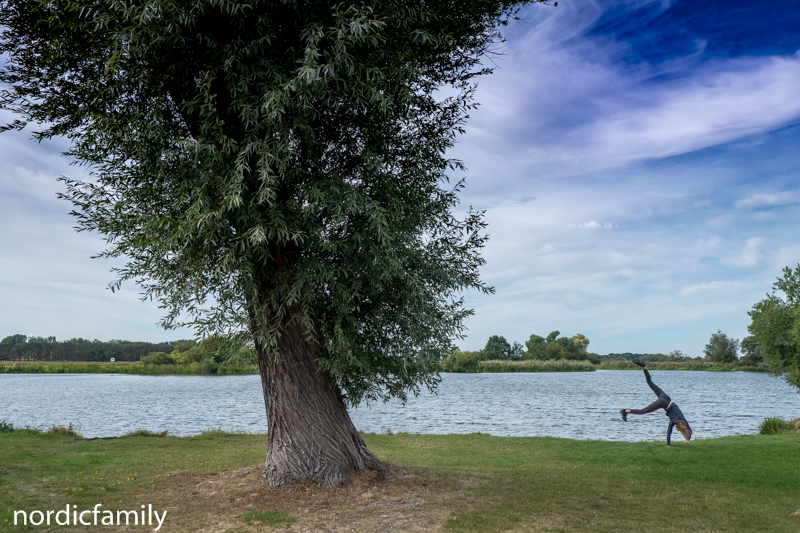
(392, 500)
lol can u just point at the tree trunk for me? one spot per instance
(311, 436)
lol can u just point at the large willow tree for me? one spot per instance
(275, 168)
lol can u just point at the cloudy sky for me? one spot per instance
(637, 162)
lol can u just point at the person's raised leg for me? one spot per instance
(660, 393)
(661, 403)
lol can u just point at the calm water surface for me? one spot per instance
(571, 404)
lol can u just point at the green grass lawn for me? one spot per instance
(747, 483)
(437, 482)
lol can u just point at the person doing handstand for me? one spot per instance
(676, 418)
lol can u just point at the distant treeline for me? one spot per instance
(215, 352)
(23, 348)
(125, 367)
(720, 354)
(675, 355)
(554, 347)
(208, 356)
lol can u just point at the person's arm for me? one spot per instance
(669, 431)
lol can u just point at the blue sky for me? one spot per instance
(637, 162)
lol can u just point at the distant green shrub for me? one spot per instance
(776, 426)
(145, 433)
(210, 367)
(224, 351)
(194, 354)
(744, 365)
(157, 358)
(465, 361)
(62, 431)
(6, 427)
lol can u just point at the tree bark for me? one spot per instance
(311, 436)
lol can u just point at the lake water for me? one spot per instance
(578, 405)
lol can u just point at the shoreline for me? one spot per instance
(123, 367)
(486, 367)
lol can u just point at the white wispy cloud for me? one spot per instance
(735, 99)
(760, 200)
(560, 105)
(592, 225)
(712, 286)
(751, 254)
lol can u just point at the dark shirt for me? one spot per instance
(674, 413)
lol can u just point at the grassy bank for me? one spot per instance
(436, 483)
(561, 365)
(48, 367)
(683, 365)
(564, 365)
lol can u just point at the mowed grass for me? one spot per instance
(744, 483)
(436, 482)
(47, 472)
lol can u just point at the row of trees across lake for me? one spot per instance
(553, 347)
(208, 353)
(721, 349)
(23, 348)
(214, 351)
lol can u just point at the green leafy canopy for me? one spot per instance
(775, 326)
(258, 162)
